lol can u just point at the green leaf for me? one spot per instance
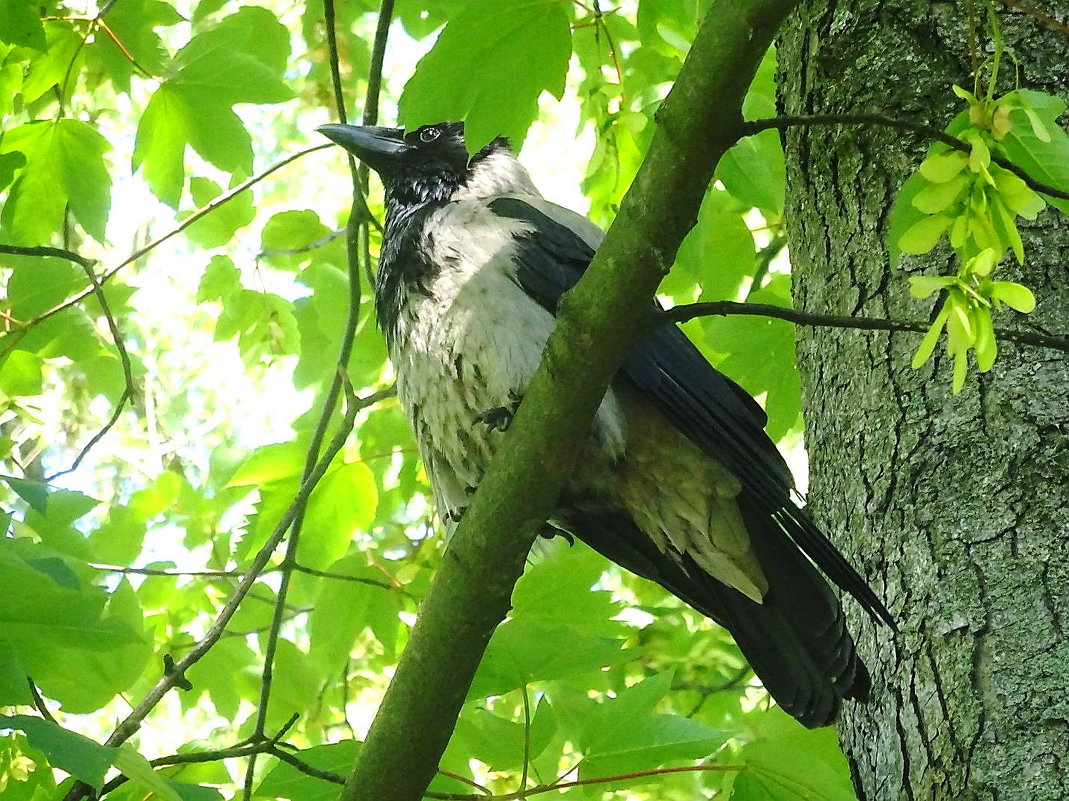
(422, 17)
(1017, 195)
(264, 323)
(785, 762)
(138, 770)
(523, 651)
(221, 279)
(291, 238)
(228, 673)
(59, 58)
(930, 340)
(342, 504)
(38, 284)
(921, 286)
(1013, 295)
(38, 612)
(499, 742)
(286, 781)
(270, 463)
(10, 163)
(242, 56)
(960, 330)
(218, 226)
(295, 686)
(343, 609)
(157, 497)
(668, 26)
(904, 215)
(528, 42)
(623, 735)
(64, 167)
(717, 254)
(923, 235)
(935, 198)
(753, 170)
(1046, 161)
(941, 167)
(118, 541)
(20, 374)
(985, 347)
(35, 493)
(69, 751)
(56, 528)
(557, 591)
(159, 149)
(14, 689)
(111, 652)
(133, 22)
(20, 24)
(1006, 227)
(239, 60)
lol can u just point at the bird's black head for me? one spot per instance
(429, 164)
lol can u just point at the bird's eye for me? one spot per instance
(429, 134)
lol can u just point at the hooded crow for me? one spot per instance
(678, 481)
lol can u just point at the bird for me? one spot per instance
(678, 481)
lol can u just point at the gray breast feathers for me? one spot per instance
(466, 343)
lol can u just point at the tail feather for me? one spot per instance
(796, 641)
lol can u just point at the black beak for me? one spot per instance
(377, 147)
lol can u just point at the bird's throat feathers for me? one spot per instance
(414, 194)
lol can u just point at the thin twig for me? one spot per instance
(229, 574)
(789, 121)
(323, 240)
(550, 788)
(764, 260)
(526, 737)
(270, 747)
(69, 255)
(127, 372)
(39, 702)
(485, 792)
(311, 571)
(378, 56)
(155, 571)
(724, 308)
(371, 117)
(122, 49)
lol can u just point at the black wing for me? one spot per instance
(708, 407)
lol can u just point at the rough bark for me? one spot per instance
(955, 506)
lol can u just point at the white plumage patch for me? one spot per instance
(466, 346)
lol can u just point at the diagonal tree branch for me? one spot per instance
(470, 595)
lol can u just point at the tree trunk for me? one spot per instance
(955, 506)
